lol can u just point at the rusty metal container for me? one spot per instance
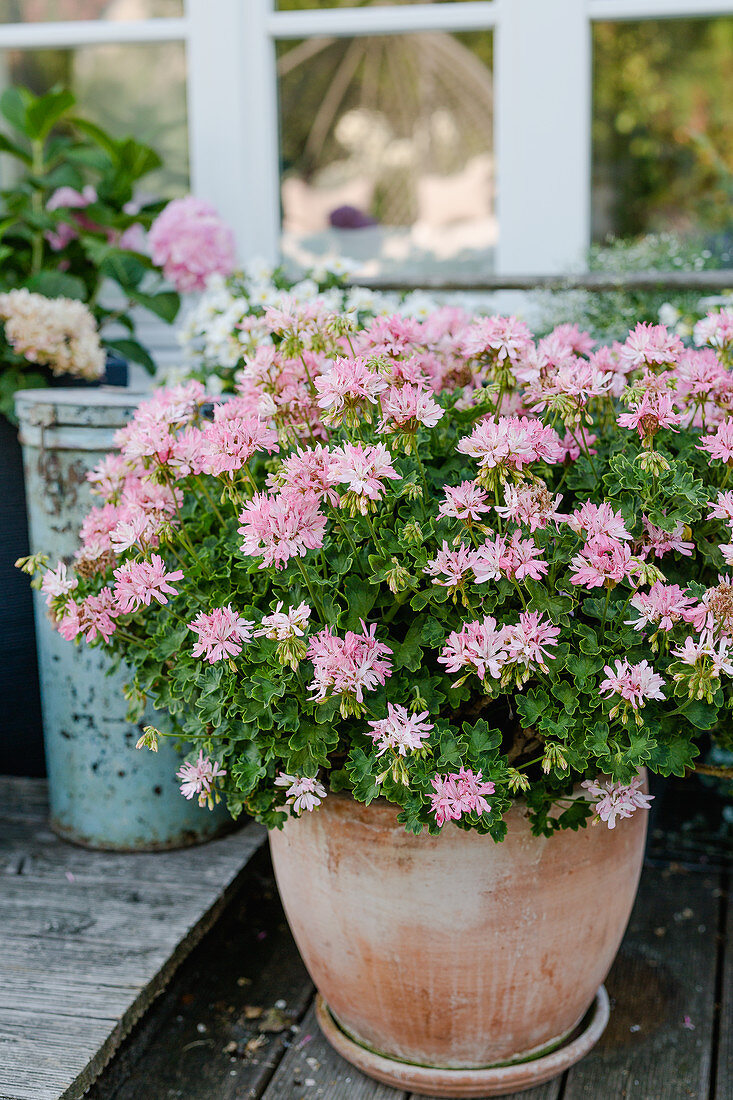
(103, 792)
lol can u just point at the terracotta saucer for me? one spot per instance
(489, 1081)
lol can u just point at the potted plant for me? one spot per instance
(74, 228)
(428, 598)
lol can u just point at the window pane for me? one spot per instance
(387, 151)
(127, 89)
(662, 135)
(45, 11)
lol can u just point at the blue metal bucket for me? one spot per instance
(103, 792)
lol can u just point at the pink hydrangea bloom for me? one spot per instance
(303, 793)
(663, 606)
(68, 198)
(603, 559)
(459, 793)
(221, 633)
(511, 441)
(199, 778)
(467, 502)
(400, 731)
(404, 408)
(650, 345)
(281, 527)
(138, 583)
(191, 242)
(719, 444)
(634, 683)
(612, 800)
(348, 666)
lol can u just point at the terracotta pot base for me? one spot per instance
(488, 1081)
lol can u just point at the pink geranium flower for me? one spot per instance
(467, 502)
(139, 583)
(528, 641)
(349, 383)
(603, 559)
(459, 793)
(530, 505)
(719, 444)
(511, 441)
(481, 647)
(229, 443)
(303, 793)
(634, 683)
(451, 566)
(660, 542)
(612, 800)
(221, 633)
(277, 528)
(598, 519)
(400, 731)
(654, 412)
(199, 778)
(716, 329)
(57, 582)
(405, 408)
(500, 338)
(650, 345)
(308, 470)
(662, 606)
(348, 666)
(363, 470)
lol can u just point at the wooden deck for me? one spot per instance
(88, 939)
(237, 1022)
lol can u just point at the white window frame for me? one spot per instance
(542, 103)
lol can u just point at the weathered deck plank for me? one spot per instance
(724, 1065)
(660, 1037)
(311, 1070)
(89, 939)
(210, 1036)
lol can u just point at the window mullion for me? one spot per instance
(233, 119)
(542, 126)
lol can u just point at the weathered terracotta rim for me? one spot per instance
(530, 1070)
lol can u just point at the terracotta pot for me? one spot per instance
(453, 951)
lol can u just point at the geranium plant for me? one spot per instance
(433, 561)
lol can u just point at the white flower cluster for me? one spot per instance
(59, 333)
(226, 324)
